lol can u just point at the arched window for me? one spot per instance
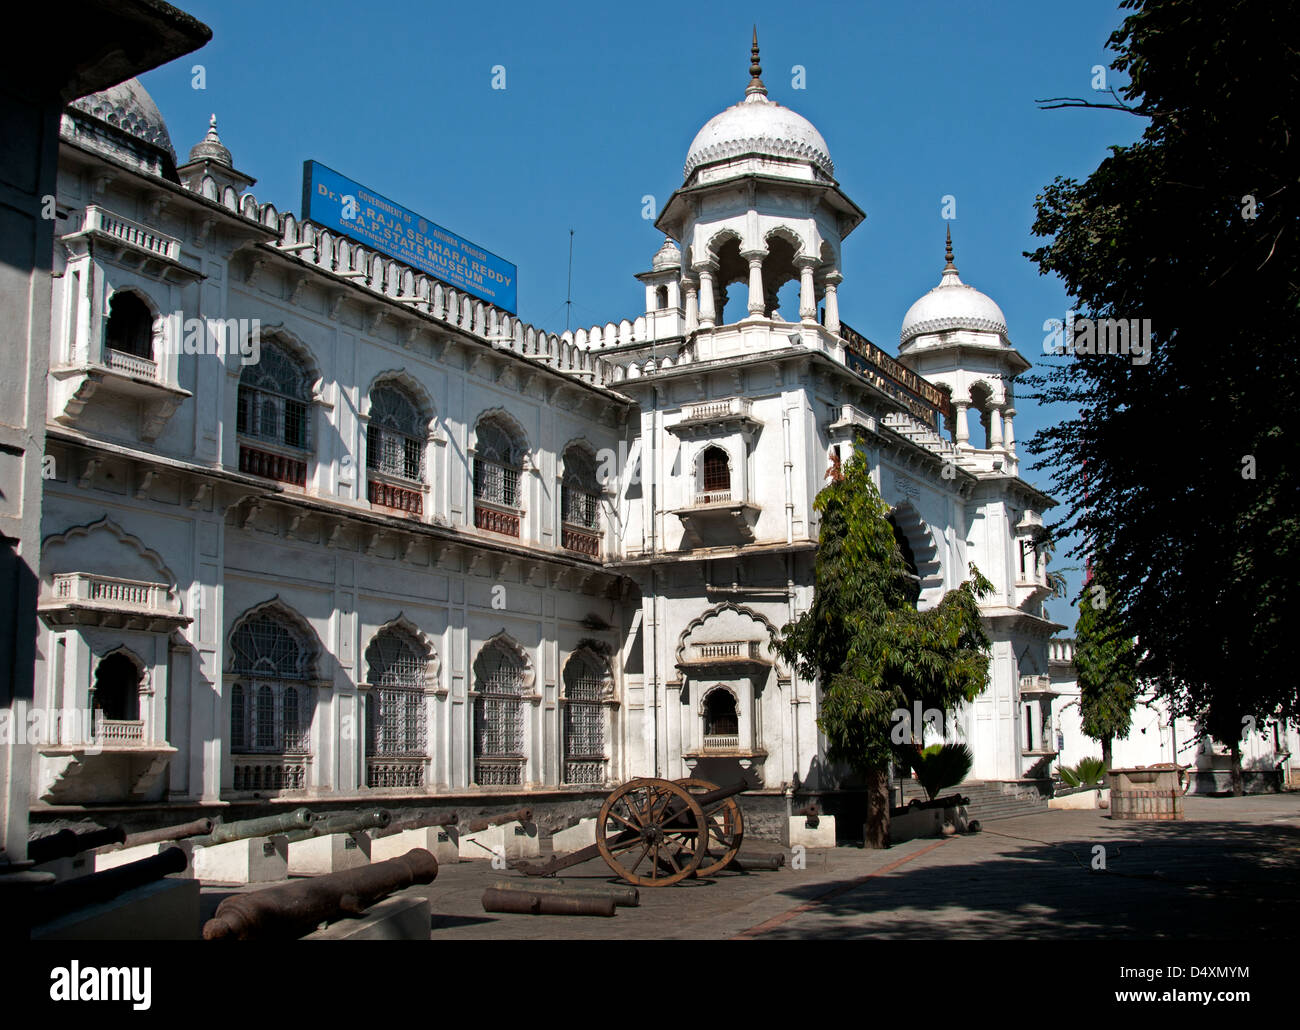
(580, 503)
(396, 435)
(584, 719)
(721, 721)
(498, 463)
(498, 716)
(117, 689)
(274, 407)
(715, 472)
(396, 721)
(129, 328)
(271, 708)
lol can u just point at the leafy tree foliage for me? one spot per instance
(1105, 661)
(863, 638)
(1179, 474)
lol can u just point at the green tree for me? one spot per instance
(1189, 495)
(873, 652)
(1105, 661)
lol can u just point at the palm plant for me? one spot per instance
(941, 765)
(1090, 772)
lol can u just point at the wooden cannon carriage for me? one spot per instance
(654, 832)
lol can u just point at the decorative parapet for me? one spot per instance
(1061, 650)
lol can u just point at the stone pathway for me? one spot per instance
(1231, 870)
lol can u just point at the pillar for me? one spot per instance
(807, 293)
(692, 305)
(961, 433)
(1009, 429)
(833, 302)
(995, 428)
(757, 302)
(708, 297)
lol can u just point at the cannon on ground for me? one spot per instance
(60, 898)
(223, 833)
(197, 828)
(654, 832)
(519, 815)
(66, 843)
(416, 820)
(340, 822)
(289, 911)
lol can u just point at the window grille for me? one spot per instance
(584, 720)
(396, 707)
(272, 713)
(717, 473)
(273, 399)
(496, 483)
(394, 444)
(580, 492)
(498, 709)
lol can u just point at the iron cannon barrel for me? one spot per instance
(342, 822)
(197, 828)
(288, 911)
(61, 898)
(416, 821)
(298, 819)
(66, 843)
(519, 815)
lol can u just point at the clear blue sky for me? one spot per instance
(915, 100)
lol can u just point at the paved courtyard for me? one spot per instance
(1231, 870)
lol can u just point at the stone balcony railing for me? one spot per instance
(727, 649)
(119, 732)
(110, 592)
(713, 497)
(405, 499)
(131, 364)
(266, 465)
(271, 773)
(721, 742)
(131, 233)
(1036, 685)
(714, 410)
(395, 773)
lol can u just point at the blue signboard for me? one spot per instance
(338, 203)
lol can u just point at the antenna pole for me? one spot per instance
(568, 301)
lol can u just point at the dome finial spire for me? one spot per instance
(949, 267)
(755, 70)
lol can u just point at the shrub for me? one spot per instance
(941, 765)
(1090, 772)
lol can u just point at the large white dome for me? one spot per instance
(757, 125)
(952, 305)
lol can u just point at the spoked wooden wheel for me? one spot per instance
(726, 828)
(649, 832)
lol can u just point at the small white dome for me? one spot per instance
(952, 305)
(668, 256)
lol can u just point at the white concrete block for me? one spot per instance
(1086, 799)
(513, 840)
(574, 838)
(442, 841)
(329, 854)
(260, 860)
(125, 856)
(823, 836)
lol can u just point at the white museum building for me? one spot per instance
(402, 544)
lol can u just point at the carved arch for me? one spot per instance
(290, 341)
(403, 379)
(313, 658)
(714, 612)
(504, 640)
(926, 553)
(106, 524)
(428, 650)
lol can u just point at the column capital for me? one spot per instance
(803, 261)
(754, 254)
(832, 279)
(705, 267)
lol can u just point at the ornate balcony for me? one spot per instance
(717, 513)
(85, 598)
(723, 657)
(1035, 687)
(387, 773)
(267, 465)
(130, 364)
(130, 244)
(586, 772)
(715, 418)
(581, 540)
(271, 773)
(407, 500)
(496, 520)
(498, 772)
